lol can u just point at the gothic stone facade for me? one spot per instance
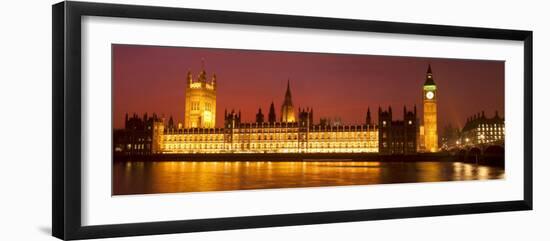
(267, 135)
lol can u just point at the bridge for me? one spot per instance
(480, 153)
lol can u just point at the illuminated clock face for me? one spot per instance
(429, 95)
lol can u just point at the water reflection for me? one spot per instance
(169, 177)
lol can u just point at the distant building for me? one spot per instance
(450, 137)
(397, 137)
(482, 130)
(137, 136)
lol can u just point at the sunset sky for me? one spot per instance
(152, 79)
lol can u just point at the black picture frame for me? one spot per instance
(66, 127)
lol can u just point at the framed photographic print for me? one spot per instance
(170, 120)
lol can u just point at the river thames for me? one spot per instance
(173, 177)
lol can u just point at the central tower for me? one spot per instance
(200, 101)
(287, 110)
(430, 112)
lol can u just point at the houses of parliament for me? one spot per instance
(290, 130)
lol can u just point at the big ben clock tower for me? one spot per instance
(430, 112)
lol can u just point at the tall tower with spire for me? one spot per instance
(368, 119)
(429, 100)
(272, 117)
(287, 110)
(200, 100)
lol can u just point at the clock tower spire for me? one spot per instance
(429, 100)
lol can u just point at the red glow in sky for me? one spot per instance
(152, 79)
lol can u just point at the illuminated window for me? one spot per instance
(195, 105)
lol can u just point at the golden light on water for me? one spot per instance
(170, 177)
